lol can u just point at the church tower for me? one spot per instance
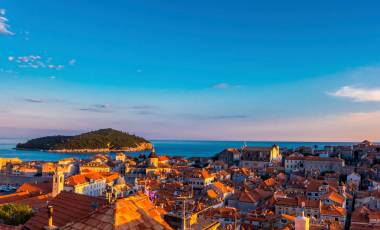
(153, 159)
(58, 181)
(302, 222)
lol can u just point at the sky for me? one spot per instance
(200, 70)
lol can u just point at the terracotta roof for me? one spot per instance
(83, 178)
(333, 210)
(110, 176)
(337, 198)
(288, 217)
(94, 164)
(297, 202)
(257, 149)
(35, 202)
(360, 219)
(67, 207)
(205, 174)
(10, 227)
(254, 195)
(314, 158)
(10, 198)
(270, 182)
(37, 188)
(222, 187)
(134, 212)
(212, 194)
(163, 158)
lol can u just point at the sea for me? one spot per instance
(184, 148)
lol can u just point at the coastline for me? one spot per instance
(139, 148)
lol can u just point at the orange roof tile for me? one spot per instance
(212, 194)
(270, 182)
(163, 158)
(134, 212)
(337, 198)
(37, 188)
(83, 178)
(288, 217)
(333, 210)
(67, 207)
(10, 198)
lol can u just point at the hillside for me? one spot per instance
(102, 140)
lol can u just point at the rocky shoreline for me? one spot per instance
(141, 147)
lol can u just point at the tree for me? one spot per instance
(15, 214)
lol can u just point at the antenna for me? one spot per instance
(184, 199)
(303, 208)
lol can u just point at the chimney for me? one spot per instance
(50, 225)
(109, 194)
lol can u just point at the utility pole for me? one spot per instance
(184, 199)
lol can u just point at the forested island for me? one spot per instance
(103, 140)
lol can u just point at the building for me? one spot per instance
(91, 184)
(67, 207)
(230, 156)
(365, 218)
(302, 222)
(200, 179)
(296, 163)
(94, 166)
(246, 201)
(58, 182)
(296, 206)
(120, 157)
(134, 212)
(259, 157)
(354, 180)
(153, 159)
(5, 161)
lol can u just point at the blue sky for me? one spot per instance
(235, 70)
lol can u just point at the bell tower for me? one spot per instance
(153, 159)
(58, 181)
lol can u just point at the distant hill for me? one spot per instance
(102, 140)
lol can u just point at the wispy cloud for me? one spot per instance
(144, 109)
(137, 107)
(97, 108)
(42, 100)
(101, 106)
(34, 100)
(72, 62)
(4, 27)
(35, 62)
(358, 94)
(224, 85)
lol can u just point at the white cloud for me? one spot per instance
(3, 24)
(221, 85)
(35, 62)
(72, 62)
(224, 85)
(358, 94)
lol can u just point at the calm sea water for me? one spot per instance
(163, 147)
